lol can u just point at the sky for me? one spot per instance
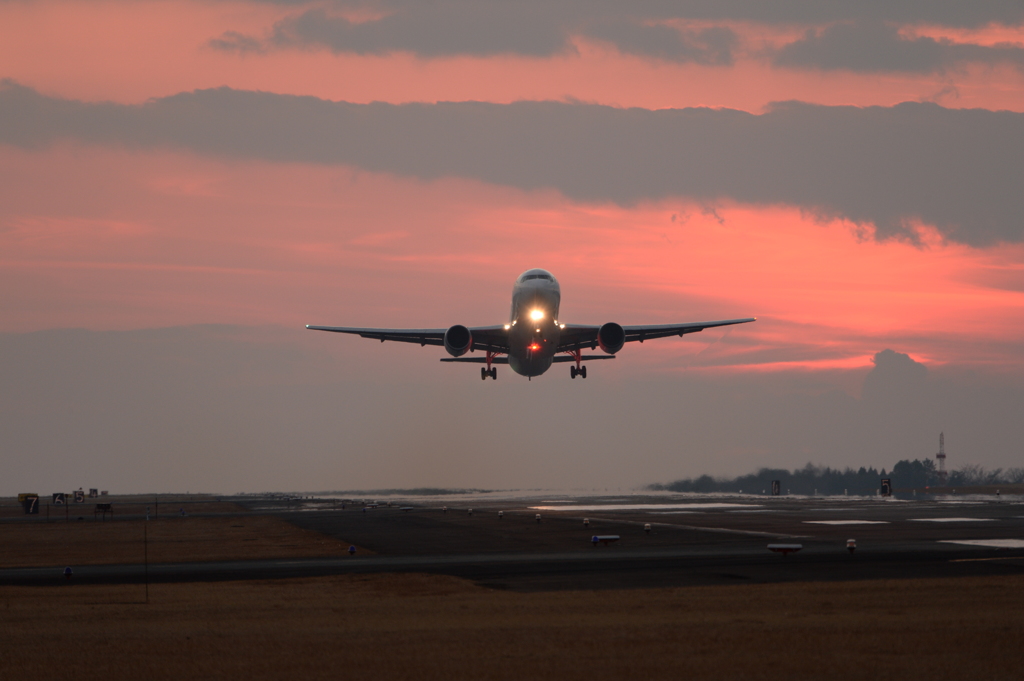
(184, 185)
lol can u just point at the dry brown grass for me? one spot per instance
(166, 505)
(431, 627)
(171, 540)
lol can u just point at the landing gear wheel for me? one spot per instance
(583, 372)
(494, 373)
(572, 372)
(483, 373)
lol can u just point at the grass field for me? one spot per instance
(414, 626)
(170, 540)
(434, 627)
(160, 505)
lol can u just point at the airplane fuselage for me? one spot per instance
(533, 328)
(534, 338)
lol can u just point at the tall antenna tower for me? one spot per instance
(941, 456)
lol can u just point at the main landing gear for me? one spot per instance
(577, 370)
(485, 372)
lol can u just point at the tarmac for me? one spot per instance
(692, 540)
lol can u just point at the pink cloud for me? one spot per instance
(112, 240)
(129, 52)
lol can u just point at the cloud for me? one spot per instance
(712, 46)
(230, 408)
(233, 41)
(481, 30)
(877, 47)
(538, 29)
(964, 14)
(893, 167)
(896, 378)
(971, 14)
(429, 31)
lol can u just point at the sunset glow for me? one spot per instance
(133, 51)
(827, 293)
(852, 179)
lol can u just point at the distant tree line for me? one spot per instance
(973, 474)
(813, 479)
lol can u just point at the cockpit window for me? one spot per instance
(528, 277)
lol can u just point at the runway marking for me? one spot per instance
(847, 522)
(679, 512)
(639, 507)
(991, 543)
(950, 520)
(726, 530)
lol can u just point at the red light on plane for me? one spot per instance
(533, 347)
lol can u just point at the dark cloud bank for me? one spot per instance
(859, 36)
(877, 47)
(486, 29)
(962, 14)
(960, 170)
(227, 409)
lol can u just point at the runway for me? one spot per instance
(692, 541)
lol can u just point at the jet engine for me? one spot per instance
(457, 340)
(611, 337)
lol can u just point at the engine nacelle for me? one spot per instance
(458, 340)
(611, 337)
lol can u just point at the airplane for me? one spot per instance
(534, 338)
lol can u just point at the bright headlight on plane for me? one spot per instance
(537, 315)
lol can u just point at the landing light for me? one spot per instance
(508, 326)
(537, 315)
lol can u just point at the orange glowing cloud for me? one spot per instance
(112, 239)
(129, 52)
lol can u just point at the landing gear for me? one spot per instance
(489, 370)
(577, 370)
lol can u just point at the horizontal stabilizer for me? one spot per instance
(476, 360)
(584, 358)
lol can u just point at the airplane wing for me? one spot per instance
(493, 338)
(576, 336)
(504, 360)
